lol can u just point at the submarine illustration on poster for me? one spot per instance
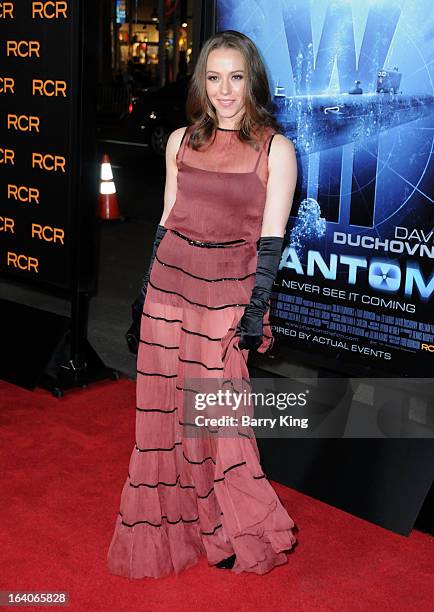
(324, 121)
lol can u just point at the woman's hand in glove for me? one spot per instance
(133, 334)
(249, 327)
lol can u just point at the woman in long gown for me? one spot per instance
(205, 306)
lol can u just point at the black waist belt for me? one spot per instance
(209, 245)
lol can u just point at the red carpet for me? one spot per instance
(63, 465)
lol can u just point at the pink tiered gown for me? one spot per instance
(185, 497)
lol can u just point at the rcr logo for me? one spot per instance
(23, 123)
(49, 10)
(7, 85)
(427, 347)
(7, 156)
(48, 233)
(23, 194)
(6, 10)
(22, 262)
(7, 225)
(48, 162)
(48, 88)
(23, 48)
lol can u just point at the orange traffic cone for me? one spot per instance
(108, 207)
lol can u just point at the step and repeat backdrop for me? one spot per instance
(41, 158)
(352, 85)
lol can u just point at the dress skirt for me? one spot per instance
(190, 496)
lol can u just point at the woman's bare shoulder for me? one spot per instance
(174, 141)
(282, 150)
(176, 136)
(282, 143)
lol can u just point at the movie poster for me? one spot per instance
(352, 85)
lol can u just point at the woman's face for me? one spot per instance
(225, 85)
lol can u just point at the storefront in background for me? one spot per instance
(137, 37)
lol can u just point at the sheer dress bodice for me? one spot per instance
(221, 188)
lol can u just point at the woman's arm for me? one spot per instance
(172, 147)
(282, 178)
(173, 142)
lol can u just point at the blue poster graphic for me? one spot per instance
(352, 85)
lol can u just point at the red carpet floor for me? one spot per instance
(63, 464)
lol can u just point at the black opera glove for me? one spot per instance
(249, 327)
(133, 333)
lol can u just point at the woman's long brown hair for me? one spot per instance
(201, 113)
